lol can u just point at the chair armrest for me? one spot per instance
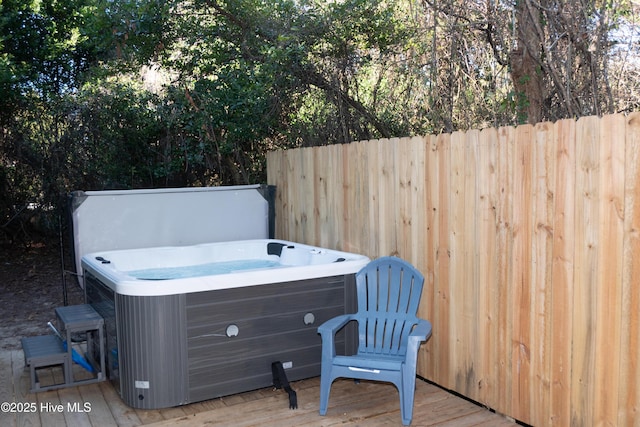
(328, 330)
(422, 331)
(333, 325)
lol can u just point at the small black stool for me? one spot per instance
(44, 351)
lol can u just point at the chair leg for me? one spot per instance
(407, 392)
(325, 389)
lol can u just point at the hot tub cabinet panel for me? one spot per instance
(273, 323)
(152, 350)
(175, 349)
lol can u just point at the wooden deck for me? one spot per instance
(351, 404)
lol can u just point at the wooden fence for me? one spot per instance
(529, 238)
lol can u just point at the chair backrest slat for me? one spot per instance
(389, 291)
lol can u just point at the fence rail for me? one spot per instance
(529, 238)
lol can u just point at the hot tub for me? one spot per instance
(191, 323)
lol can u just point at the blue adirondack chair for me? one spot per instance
(389, 333)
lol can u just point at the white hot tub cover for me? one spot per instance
(130, 219)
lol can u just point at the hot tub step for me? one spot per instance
(45, 351)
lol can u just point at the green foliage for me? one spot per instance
(98, 94)
(116, 136)
(129, 32)
(38, 41)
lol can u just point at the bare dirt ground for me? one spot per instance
(31, 287)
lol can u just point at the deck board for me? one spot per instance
(351, 404)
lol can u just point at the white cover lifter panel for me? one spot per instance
(129, 219)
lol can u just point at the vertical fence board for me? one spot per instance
(321, 207)
(586, 271)
(542, 233)
(291, 160)
(442, 284)
(522, 267)
(405, 215)
(309, 222)
(529, 239)
(417, 210)
(609, 286)
(504, 249)
(348, 199)
(430, 238)
(338, 186)
(389, 196)
(355, 161)
(373, 234)
(463, 371)
(562, 276)
(364, 150)
(488, 286)
(471, 253)
(302, 223)
(629, 388)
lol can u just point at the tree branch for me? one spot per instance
(304, 73)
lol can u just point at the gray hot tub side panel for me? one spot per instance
(271, 327)
(152, 350)
(146, 345)
(173, 350)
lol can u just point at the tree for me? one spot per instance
(38, 67)
(557, 54)
(246, 69)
